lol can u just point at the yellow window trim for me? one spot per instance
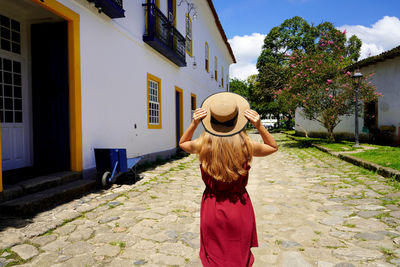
(180, 91)
(74, 67)
(195, 104)
(216, 68)
(222, 76)
(173, 11)
(207, 57)
(191, 36)
(158, 80)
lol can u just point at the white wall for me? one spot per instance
(115, 62)
(345, 126)
(387, 79)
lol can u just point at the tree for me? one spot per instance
(239, 87)
(295, 34)
(319, 83)
(292, 35)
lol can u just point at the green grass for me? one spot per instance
(340, 146)
(383, 155)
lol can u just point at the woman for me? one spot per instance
(227, 222)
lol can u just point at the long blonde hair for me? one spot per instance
(224, 158)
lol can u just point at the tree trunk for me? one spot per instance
(288, 122)
(330, 134)
(304, 130)
(277, 118)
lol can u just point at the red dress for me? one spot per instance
(227, 223)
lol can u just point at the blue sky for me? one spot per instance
(246, 22)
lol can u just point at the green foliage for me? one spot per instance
(303, 65)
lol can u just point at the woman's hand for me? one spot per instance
(253, 117)
(198, 115)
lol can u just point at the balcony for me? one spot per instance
(163, 36)
(112, 8)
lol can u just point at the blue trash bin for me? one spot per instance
(108, 159)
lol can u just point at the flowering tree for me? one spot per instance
(319, 83)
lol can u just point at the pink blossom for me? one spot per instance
(330, 42)
(348, 73)
(330, 96)
(310, 69)
(319, 62)
(308, 80)
(329, 81)
(304, 101)
(327, 89)
(332, 117)
(344, 32)
(291, 65)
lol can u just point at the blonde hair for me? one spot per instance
(224, 158)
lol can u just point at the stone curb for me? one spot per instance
(383, 171)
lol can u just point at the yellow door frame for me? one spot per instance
(180, 92)
(74, 68)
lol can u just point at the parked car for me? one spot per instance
(269, 122)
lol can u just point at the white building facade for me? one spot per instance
(380, 119)
(83, 74)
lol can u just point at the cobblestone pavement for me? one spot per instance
(311, 210)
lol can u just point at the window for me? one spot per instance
(207, 54)
(192, 104)
(216, 68)
(222, 76)
(153, 102)
(10, 35)
(10, 91)
(189, 46)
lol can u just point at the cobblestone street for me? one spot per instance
(311, 209)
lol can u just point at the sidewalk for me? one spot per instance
(312, 209)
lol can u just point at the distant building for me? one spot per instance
(380, 120)
(80, 74)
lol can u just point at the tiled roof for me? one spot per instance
(221, 30)
(395, 52)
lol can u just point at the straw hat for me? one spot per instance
(225, 113)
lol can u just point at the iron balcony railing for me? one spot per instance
(163, 36)
(112, 8)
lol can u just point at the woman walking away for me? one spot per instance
(227, 222)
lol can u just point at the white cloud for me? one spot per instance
(246, 49)
(381, 36)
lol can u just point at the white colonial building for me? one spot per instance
(82, 74)
(380, 119)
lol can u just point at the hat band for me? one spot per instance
(229, 123)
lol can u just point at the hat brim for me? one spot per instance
(221, 130)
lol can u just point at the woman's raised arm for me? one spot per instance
(269, 146)
(186, 142)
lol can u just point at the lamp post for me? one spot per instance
(357, 77)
